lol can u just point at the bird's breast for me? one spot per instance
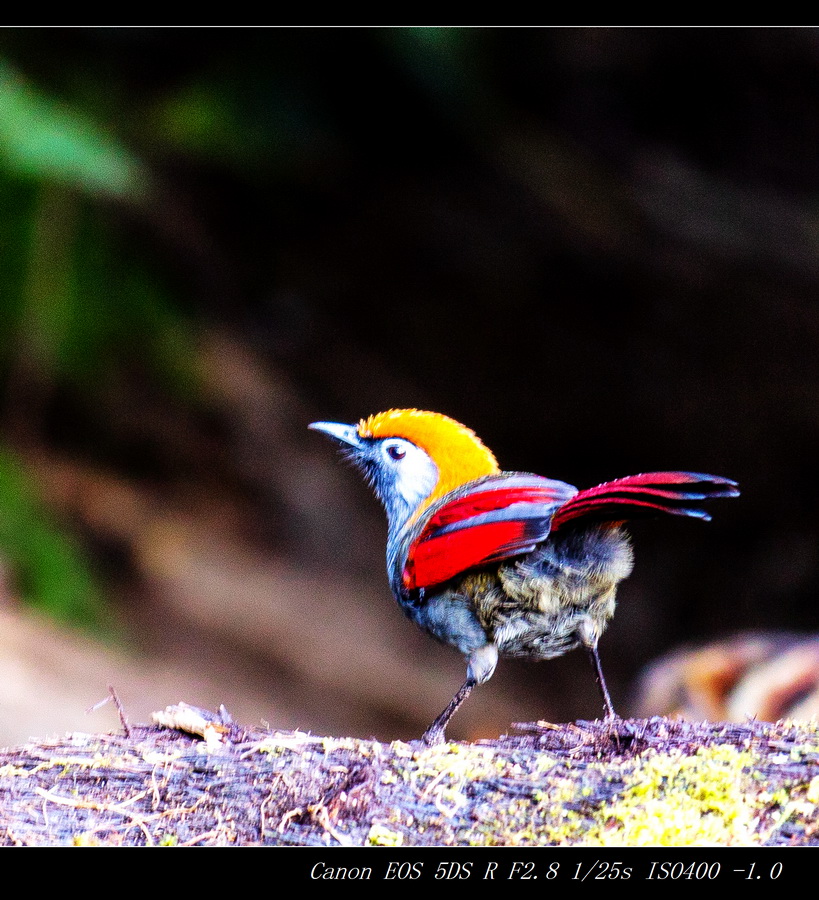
(533, 605)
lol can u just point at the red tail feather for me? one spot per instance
(672, 493)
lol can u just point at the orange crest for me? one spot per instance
(456, 450)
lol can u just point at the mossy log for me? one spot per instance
(195, 778)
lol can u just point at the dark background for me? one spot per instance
(596, 247)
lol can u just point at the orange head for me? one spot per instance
(413, 457)
(458, 453)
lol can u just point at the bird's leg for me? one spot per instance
(588, 637)
(435, 733)
(594, 656)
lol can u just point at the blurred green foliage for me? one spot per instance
(46, 141)
(92, 139)
(79, 304)
(50, 571)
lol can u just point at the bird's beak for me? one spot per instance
(345, 434)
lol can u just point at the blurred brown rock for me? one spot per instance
(767, 676)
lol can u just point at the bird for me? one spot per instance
(500, 563)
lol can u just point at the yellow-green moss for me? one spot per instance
(381, 836)
(443, 773)
(14, 771)
(678, 800)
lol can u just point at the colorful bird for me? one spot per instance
(496, 562)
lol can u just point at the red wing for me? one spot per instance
(492, 519)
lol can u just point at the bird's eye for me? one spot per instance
(396, 452)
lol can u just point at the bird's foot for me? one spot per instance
(433, 737)
(620, 731)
